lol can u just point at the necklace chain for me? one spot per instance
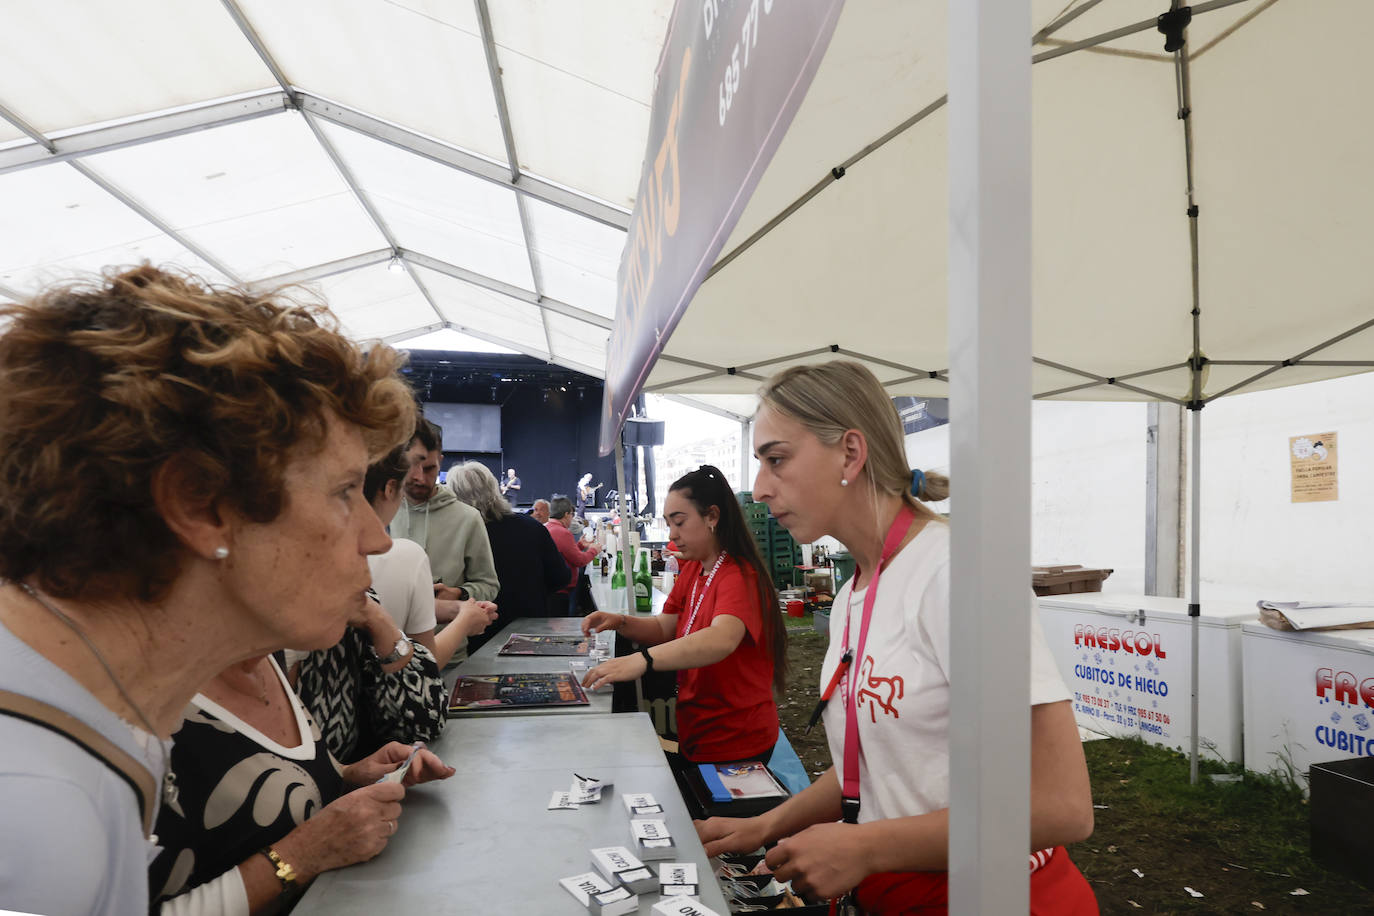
(169, 787)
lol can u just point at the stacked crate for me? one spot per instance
(777, 547)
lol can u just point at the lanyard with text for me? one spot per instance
(705, 588)
(850, 790)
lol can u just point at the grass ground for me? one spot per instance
(1242, 845)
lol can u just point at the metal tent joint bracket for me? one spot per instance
(1172, 25)
(730, 370)
(1195, 404)
(834, 348)
(1194, 610)
(837, 172)
(1197, 363)
(1193, 212)
(1183, 113)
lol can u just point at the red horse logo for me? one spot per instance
(893, 688)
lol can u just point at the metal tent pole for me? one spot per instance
(625, 525)
(1195, 575)
(990, 403)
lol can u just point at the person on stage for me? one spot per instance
(832, 461)
(720, 629)
(586, 494)
(510, 487)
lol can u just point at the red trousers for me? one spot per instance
(1057, 889)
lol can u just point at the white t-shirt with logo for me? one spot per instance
(903, 681)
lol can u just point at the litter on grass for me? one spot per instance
(1192, 892)
(1297, 893)
(1138, 873)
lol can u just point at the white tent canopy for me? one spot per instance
(860, 263)
(489, 154)
(324, 142)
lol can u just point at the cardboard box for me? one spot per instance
(1066, 580)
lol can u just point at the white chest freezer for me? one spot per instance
(1126, 660)
(1309, 698)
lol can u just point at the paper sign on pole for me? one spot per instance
(1312, 460)
(730, 79)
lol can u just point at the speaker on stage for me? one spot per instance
(643, 432)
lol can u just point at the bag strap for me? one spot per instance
(97, 745)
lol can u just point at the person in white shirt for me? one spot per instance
(402, 578)
(832, 461)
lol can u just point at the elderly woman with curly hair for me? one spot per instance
(181, 475)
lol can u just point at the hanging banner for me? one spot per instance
(730, 79)
(1312, 461)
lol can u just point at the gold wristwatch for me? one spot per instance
(285, 873)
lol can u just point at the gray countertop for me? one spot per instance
(484, 842)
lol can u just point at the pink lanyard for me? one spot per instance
(850, 791)
(704, 589)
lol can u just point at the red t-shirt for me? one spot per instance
(725, 711)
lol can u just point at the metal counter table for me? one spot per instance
(486, 660)
(483, 840)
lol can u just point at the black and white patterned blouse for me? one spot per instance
(359, 707)
(238, 791)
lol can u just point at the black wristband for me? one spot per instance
(648, 660)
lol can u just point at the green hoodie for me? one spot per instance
(453, 535)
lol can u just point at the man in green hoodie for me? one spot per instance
(451, 532)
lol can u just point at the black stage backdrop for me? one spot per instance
(550, 417)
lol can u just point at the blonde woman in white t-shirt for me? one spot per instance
(832, 461)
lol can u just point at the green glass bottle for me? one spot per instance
(618, 577)
(644, 584)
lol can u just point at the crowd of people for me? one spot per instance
(230, 582)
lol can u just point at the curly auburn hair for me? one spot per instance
(102, 382)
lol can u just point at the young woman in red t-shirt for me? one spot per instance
(720, 629)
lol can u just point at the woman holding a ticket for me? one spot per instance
(832, 461)
(720, 629)
(263, 807)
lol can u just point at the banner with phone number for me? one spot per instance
(730, 79)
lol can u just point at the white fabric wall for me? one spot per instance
(1088, 492)
(1256, 542)
(1087, 485)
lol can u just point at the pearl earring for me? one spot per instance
(843, 482)
(221, 552)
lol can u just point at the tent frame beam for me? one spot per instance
(327, 269)
(344, 171)
(469, 163)
(504, 289)
(1142, 26)
(236, 109)
(158, 222)
(28, 129)
(839, 171)
(148, 129)
(498, 91)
